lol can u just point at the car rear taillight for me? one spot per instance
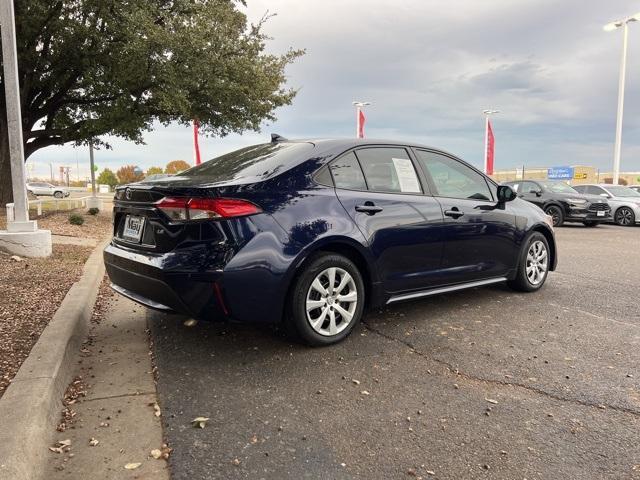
(182, 209)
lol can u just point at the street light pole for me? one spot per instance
(14, 119)
(617, 152)
(22, 236)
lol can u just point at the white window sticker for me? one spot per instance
(406, 175)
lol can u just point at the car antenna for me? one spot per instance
(275, 138)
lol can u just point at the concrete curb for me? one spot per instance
(30, 408)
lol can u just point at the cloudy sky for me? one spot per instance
(430, 67)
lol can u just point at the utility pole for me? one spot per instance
(22, 236)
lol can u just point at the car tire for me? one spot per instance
(625, 217)
(556, 214)
(328, 323)
(58, 194)
(590, 224)
(530, 259)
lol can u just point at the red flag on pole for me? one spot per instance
(361, 121)
(490, 148)
(196, 147)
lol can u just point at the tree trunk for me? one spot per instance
(6, 192)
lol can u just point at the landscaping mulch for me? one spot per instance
(94, 226)
(30, 292)
(31, 289)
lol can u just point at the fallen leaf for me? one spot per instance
(93, 442)
(64, 443)
(156, 410)
(190, 322)
(199, 422)
(357, 382)
(364, 392)
(236, 462)
(155, 453)
(254, 439)
(132, 466)
(491, 400)
(55, 449)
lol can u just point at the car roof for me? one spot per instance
(346, 143)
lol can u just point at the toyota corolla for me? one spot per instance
(310, 233)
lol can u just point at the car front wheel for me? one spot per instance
(58, 194)
(533, 266)
(625, 217)
(556, 215)
(327, 300)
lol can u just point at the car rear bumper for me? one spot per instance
(142, 279)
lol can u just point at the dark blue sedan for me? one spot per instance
(310, 233)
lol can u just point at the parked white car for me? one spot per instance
(635, 187)
(43, 188)
(624, 201)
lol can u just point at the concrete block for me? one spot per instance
(94, 202)
(26, 244)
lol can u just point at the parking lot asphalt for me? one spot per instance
(484, 383)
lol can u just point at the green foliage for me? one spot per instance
(176, 166)
(127, 174)
(96, 67)
(75, 219)
(107, 177)
(154, 171)
(93, 211)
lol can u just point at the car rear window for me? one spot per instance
(254, 163)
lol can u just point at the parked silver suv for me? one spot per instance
(43, 188)
(624, 201)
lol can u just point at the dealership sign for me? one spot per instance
(560, 173)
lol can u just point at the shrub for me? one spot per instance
(75, 219)
(93, 211)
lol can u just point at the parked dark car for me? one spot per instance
(562, 202)
(310, 232)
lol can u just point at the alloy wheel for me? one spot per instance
(554, 213)
(537, 262)
(624, 217)
(331, 301)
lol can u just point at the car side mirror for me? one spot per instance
(505, 194)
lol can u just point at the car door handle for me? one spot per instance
(454, 213)
(368, 209)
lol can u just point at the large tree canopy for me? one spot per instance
(94, 67)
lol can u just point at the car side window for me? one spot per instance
(346, 173)
(452, 178)
(530, 187)
(593, 190)
(389, 170)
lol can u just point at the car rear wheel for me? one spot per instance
(556, 215)
(58, 194)
(625, 217)
(533, 266)
(327, 300)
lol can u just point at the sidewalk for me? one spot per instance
(112, 422)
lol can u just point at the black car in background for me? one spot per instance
(562, 202)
